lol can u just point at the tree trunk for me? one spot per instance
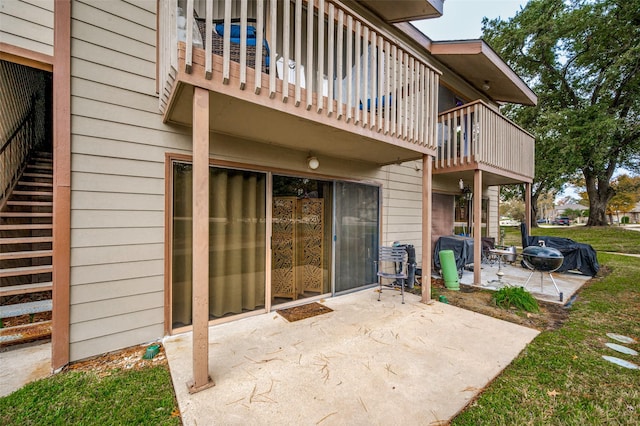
(599, 192)
(534, 210)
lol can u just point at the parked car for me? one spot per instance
(507, 221)
(541, 221)
(561, 220)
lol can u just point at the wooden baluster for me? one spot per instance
(358, 100)
(298, 51)
(340, 52)
(381, 77)
(366, 97)
(331, 58)
(208, 57)
(259, 42)
(309, 79)
(286, 30)
(273, 38)
(243, 44)
(349, 68)
(320, 85)
(374, 80)
(226, 45)
(394, 90)
(387, 86)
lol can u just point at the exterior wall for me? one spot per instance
(28, 24)
(118, 143)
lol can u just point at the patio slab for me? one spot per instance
(515, 275)
(365, 363)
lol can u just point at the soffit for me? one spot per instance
(477, 63)
(404, 10)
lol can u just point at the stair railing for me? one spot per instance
(15, 150)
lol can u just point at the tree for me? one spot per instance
(627, 194)
(582, 58)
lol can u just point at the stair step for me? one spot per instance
(13, 290)
(39, 166)
(26, 270)
(8, 311)
(26, 183)
(33, 193)
(37, 175)
(30, 203)
(13, 255)
(26, 240)
(25, 214)
(25, 333)
(26, 226)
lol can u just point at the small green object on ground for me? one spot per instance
(443, 299)
(151, 352)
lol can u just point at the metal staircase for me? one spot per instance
(26, 249)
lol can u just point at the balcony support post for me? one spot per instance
(427, 203)
(527, 207)
(477, 227)
(200, 307)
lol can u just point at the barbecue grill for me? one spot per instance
(543, 259)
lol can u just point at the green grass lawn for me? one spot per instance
(131, 397)
(561, 377)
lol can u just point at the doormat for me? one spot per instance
(298, 313)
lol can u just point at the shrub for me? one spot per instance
(517, 297)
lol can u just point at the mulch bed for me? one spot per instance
(298, 313)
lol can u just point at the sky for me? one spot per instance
(462, 19)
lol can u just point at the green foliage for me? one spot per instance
(516, 297)
(123, 397)
(582, 58)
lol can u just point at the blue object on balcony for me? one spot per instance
(235, 33)
(384, 103)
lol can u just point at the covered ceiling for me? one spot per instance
(477, 63)
(404, 10)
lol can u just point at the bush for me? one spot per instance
(517, 297)
(625, 220)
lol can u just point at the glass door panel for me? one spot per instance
(237, 230)
(301, 240)
(357, 234)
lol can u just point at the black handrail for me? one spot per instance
(26, 117)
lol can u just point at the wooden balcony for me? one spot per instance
(477, 137)
(299, 67)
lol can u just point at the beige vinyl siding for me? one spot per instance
(118, 147)
(27, 24)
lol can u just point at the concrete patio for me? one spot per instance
(515, 275)
(365, 363)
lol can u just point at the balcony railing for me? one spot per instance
(477, 134)
(319, 55)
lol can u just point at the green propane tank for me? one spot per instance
(449, 270)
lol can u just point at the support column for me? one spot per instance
(200, 308)
(427, 206)
(527, 207)
(477, 227)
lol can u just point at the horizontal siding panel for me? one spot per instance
(112, 183)
(400, 212)
(140, 43)
(405, 228)
(149, 6)
(116, 166)
(118, 271)
(31, 13)
(109, 201)
(115, 307)
(168, 138)
(27, 30)
(91, 145)
(26, 43)
(124, 339)
(128, 12)
(112, 59)
(115, 324)
(84, 107)
(393, 185)
(88, 219)
(105, 290)
(103, 255)
(114, 95)
(399, 196)
(116, 236)
(113, 77)
(404, 220)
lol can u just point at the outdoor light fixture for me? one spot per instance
(486, 86)
(313, 162)
(465, 189)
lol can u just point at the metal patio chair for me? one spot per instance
(397, 256)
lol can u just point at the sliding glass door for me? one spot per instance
(357, 235)
(237, 233)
